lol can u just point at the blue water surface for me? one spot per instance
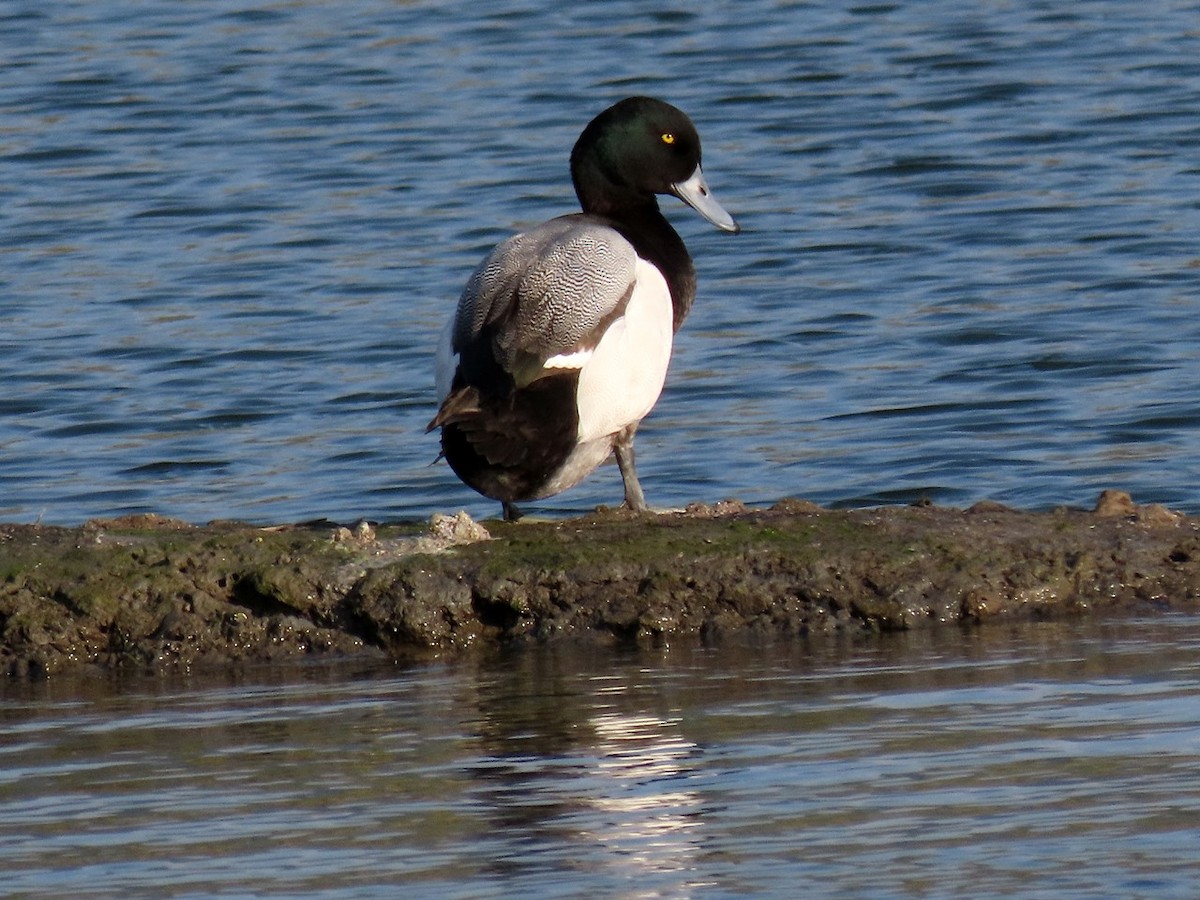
(230, 231)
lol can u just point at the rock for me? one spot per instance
(458, 529)
(1156, 514)
(1114, 503)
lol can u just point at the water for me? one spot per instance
(229, 233)
(1047, 760)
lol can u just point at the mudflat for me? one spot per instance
(148, 592)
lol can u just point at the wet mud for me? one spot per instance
(147, 592)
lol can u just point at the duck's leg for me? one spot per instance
(623, 447)
(510, 511)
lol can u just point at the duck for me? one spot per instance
(561, 340)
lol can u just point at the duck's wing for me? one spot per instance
(541, 301)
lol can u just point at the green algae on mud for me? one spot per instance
(148, 592)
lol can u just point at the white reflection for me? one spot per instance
(648, 815)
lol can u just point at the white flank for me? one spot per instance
(621, 382)
(576, 360)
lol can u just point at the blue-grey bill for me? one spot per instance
(695, 193)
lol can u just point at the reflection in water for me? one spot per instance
(650, 814)
(581, 761)
(946, 762)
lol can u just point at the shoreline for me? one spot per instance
(151, 593)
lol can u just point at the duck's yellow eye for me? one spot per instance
(668, 137)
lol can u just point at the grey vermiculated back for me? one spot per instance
(560, 281)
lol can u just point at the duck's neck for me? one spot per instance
(655, 241)
(659, 244)
(635, 213)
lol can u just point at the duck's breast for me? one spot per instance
(620, 381)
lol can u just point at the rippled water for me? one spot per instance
(1051, 760)
(229, 232)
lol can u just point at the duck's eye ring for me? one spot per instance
(667, 137)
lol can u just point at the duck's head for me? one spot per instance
(638, 148)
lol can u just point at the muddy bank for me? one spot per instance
(148, 592)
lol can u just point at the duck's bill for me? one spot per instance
(694, 192)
